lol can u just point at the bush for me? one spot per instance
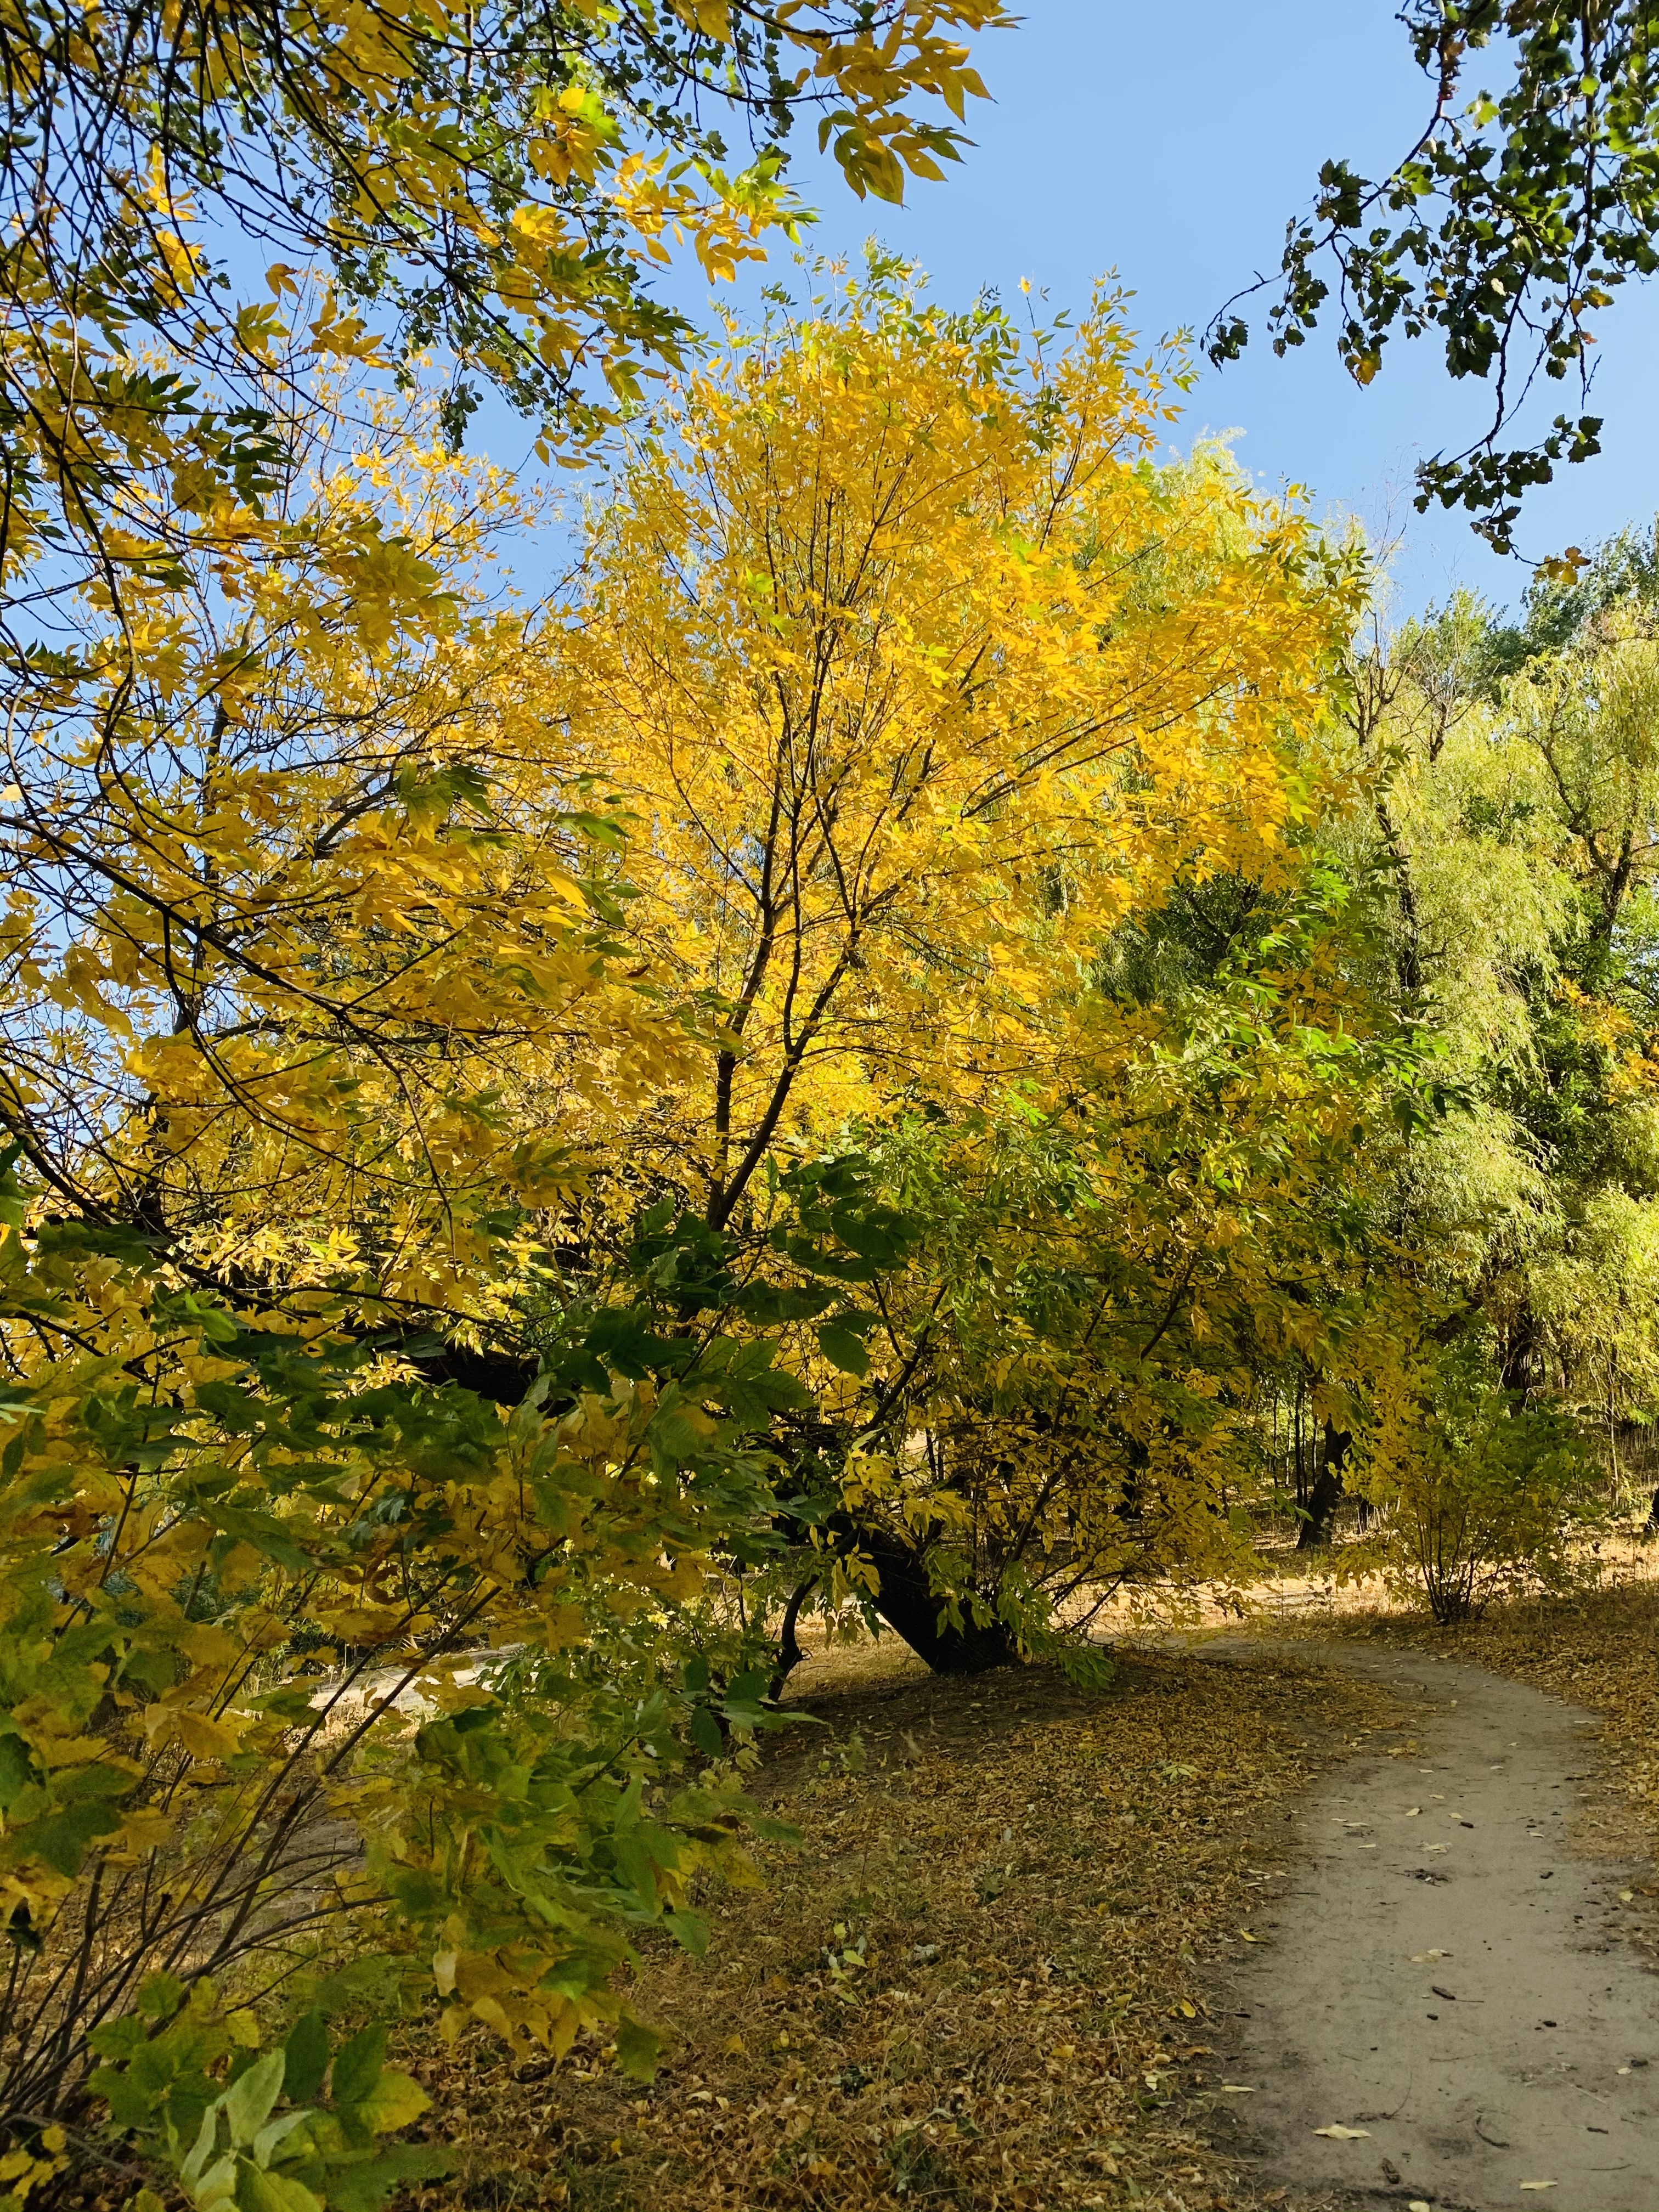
(250, 1584)
(1476, 1492)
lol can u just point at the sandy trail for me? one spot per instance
(1443, 1972)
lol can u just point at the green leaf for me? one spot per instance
(306, 2056)
(638, 2048)
(250, 2097)
(842, 1349)
(395, 2100)
(706, 1732)
(689, 1930)
(160, 1995)
(289, 2128)
(62, 1839)
(364, 2186)
(257, 2191)
(357, 2069)
(17, 1769)
(117, 2038)
(204, 2150)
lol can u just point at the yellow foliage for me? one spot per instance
(920, 674)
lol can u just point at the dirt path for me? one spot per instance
(1443, 1975)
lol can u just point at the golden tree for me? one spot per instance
(278, 964)
(921, 673)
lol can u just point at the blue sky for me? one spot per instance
(1171, 143)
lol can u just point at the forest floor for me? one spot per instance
(1000, 1969)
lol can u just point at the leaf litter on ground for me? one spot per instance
(977, 1981)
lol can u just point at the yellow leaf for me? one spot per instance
(394, 2102)
(201, 1736)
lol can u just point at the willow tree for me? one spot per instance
(1514, 786)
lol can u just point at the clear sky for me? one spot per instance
(1171, 143)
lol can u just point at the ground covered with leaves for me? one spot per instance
(975, 1981)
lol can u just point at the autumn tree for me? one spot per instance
(288, 956)
(496, 183)
(921, 678)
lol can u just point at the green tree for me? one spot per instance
(1513, 792)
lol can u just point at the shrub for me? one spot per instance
(1477, 1492)
(251, 1582)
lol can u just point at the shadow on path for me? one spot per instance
(1443, 1977)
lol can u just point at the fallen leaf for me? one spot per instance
(1412, 1811)
(1238, 2089)
(1538, 2185)
(1625, 1895)
(1338, 2133)
(1248, 1938)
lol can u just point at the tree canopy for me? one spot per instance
(1506, 228)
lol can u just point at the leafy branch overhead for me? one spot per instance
(496, 184)
(1506, 230)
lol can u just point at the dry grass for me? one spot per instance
(977, 1981)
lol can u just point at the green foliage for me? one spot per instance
(265, 2142)
(1477, 1493)
(1515, 783)
(257, 1600)
(1510, 225)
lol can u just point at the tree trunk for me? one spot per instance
(906, 1601)
(1327, 1492)
(790, 1654)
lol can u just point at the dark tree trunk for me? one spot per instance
(908, 1603)
(1518, 1364)
(790, 1654)
(503, 1378)
(1327, 1492)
